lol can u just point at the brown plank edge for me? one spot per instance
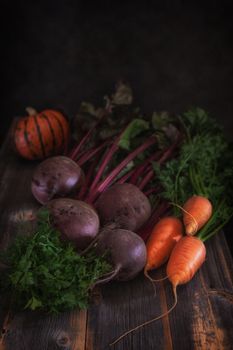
(202, 320)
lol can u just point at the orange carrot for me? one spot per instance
(166, 233)
(197, 211)
(186, 258)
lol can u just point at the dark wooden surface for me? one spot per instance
(203, 318)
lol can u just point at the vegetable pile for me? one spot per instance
(132, 194)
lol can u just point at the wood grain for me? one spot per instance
(202, 320)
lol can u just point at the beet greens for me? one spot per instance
(127, 155)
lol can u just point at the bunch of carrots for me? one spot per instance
(185, 253)
(201, 180)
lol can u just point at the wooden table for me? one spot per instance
(203, 318)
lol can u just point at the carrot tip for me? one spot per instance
(154, 279)
(191, 229)
(150, 279)
(150, 321)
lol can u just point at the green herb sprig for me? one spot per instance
(46, 273)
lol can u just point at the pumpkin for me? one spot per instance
(41, 135)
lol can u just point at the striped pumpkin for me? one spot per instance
(41, 135)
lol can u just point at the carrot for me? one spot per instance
(165, 234)
(186, 258)
(196, 212)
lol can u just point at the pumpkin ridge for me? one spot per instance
(40, 136)
(61, 128)
(25, 133)
(51, 130)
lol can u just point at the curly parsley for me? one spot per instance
(46, 273)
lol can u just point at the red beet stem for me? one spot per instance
(146, 179)
(149, 173)
(74, 153)
(152, 191)
(88, 178)
(137, 173)
(134, 174)
(107, 157)
(125, 177)
(140, 169)
(169, 151)
(109, 179)
(91, 153)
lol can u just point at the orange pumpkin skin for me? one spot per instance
(41, 135)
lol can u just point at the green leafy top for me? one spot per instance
(135, 128)
(204, 167)
(46, 273)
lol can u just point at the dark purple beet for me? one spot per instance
(76, 220)
(125, 250)
(125, 205)
(56, 177)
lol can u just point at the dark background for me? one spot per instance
(175, 54)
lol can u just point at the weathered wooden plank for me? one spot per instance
(37, 331)
(78, 321)
(125, 305)
(203, 318)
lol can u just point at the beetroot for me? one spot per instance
(56, 177)
(125, 205)
(125, 250)
(76, 220)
